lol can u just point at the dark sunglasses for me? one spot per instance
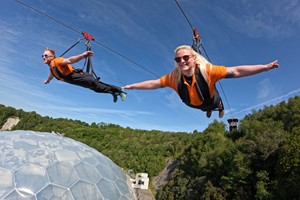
(185, 58)
(46, 56)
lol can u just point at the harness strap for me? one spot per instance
(88, 62)
(57, 74)
(71, 47)
(196, 41)
(203, 93)
(202, 86)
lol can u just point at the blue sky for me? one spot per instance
(147, 32)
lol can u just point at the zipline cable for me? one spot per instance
(188, 21)
(48, 16)
(190, 24)
(79, 32)
(128, 59)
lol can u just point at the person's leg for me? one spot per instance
(89, 81)
(114, 90)
(208, 113)
(219, 103)
(213, 104)
(221, 108)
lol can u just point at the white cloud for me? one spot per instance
(265, 89)
(273, 101)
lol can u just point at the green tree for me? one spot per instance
(288, 167)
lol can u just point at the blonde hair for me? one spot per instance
(51, 51)
(200, 61)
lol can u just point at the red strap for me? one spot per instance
(87, 36)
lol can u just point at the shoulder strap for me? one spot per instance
(202, 86)
(202, 90)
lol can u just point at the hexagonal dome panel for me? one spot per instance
(38, 165)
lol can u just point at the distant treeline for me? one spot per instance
(261, 160)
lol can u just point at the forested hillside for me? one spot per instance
(258, 161)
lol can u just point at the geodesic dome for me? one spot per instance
(38, 165)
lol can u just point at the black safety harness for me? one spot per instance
(203, 93)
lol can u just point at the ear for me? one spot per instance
(194, 57)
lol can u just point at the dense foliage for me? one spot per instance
(258, 161)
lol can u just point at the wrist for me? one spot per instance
(267, 67)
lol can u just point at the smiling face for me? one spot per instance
(48, 56)
(185, 61)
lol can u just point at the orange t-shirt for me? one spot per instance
(63, 69)
(212, 73)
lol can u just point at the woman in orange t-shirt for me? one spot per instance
(194, 79)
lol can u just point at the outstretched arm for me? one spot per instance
(247, 70)
(145, 85)
(50, 77)
(74, 59)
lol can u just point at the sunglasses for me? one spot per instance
(46, 56)
(185, 58)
